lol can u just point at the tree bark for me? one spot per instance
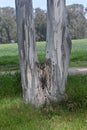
(27, 49)
(58, 47)
(42, 83)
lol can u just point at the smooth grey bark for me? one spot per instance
(27, 50)
(58, 47)
(42, 83)
(32, 72)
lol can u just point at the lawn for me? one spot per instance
(79, 53)
(69, 115)
(9, 53)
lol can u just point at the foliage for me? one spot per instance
(40, 24)
(69, 115)
(77, 21)
(7, 25)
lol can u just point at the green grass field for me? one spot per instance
(69, 115)
(79, 53)
(9, 53)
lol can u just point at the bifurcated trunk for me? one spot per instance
(42, 83)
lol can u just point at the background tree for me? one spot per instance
(77, 21)
(7, 24)
(40, 24)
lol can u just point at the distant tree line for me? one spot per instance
(77, 21)
(7, 25)
(76, 17)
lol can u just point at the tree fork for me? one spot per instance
(45, 82)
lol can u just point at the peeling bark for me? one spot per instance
(42, 83)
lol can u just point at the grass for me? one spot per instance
(10, 85)
(69, 115)
(9, 68)
(79, 53)
(9, 53)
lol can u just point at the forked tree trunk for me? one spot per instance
(42, 83)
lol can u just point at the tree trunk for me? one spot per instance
(58, 47)
(42, 83)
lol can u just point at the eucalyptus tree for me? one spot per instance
(45, 82)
